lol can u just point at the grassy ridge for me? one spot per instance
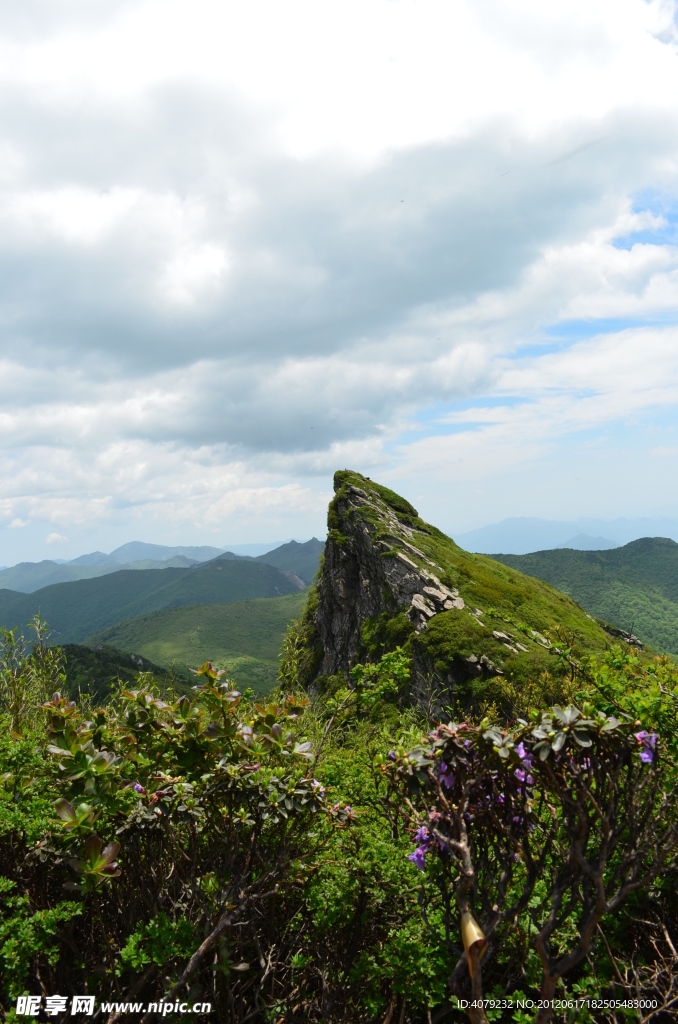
(634, 587)
(244, 637)
(77, 610)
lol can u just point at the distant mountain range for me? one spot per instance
(27, 577)
(77, 609)
(519, 536)
(137, 551)
(634, 587)
(303, 559)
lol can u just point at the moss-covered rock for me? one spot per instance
(390, 579)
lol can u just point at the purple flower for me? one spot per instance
(391, 755)
(139, 788)
(500, 798)
(523, 777)
(467, 743)
(319, 787)
(422, 835)
(446, 775)
(418, 858)
(523, 754)
(649, 742)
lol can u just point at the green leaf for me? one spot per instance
(558, 742)
(65, 810)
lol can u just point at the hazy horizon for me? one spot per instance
(513, 535)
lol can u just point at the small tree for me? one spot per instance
(575, 801)
(184, 819)
(618, 829)
(29, 672)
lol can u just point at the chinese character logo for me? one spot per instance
(83, 1004)
(28, 1006)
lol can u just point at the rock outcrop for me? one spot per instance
(621, 634)
(389, 578)
(369, 569)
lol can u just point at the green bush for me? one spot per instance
(278, 839)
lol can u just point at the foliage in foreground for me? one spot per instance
(301, 861)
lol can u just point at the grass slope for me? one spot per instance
(244, 637)
(634, 587)
(79, 609)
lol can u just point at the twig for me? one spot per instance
(194, 962)
(136, 987)
(609, 953)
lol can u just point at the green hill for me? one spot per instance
(634, 587)
(389, 578)
(244, 637)
(304, 559)
(79, 609)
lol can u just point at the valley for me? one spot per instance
(232, 609)
(243, 637)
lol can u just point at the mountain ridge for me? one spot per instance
(390, 579)
(633, 587)
(27, 577)
(77, 609)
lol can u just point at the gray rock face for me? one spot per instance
(621, 634)
(365, 574)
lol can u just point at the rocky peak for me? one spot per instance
(389, 578)
(373, 565)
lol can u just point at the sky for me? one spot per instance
(245, 245)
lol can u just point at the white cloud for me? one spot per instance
(191, 272)
(242, 245)
(55, 538)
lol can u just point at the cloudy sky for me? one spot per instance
(245, 244)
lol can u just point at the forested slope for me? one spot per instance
(634, 587)
(77, 610)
